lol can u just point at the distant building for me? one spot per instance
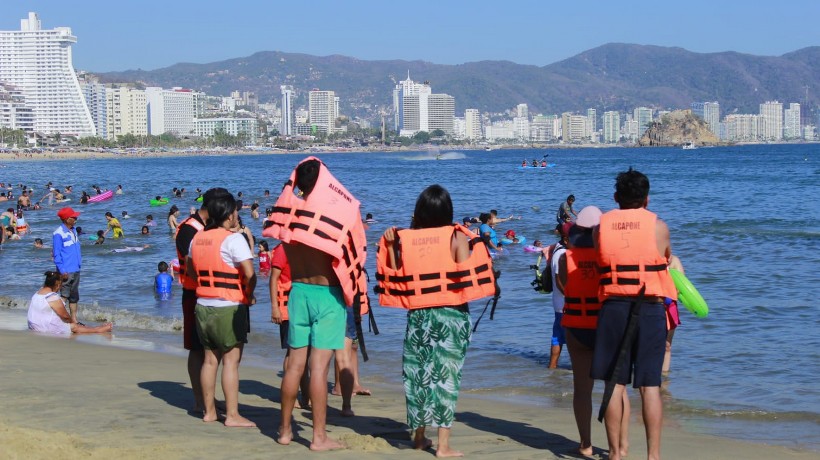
(771, 113)
(522, 128)
(459, 128)
(38, 62)
(522, 111)
(791, 122)
(14, 113)
(440, 113)
(710, 113)
(126, 112)
(592, 124)
(171, 110)
(643, 115)
(574, 127)
(542, 128)
(744, 127)
(472, 124)
(288, 117)
(206, 127)
(323, 109)
(500, 130)
(631, 129)
(94, 94)
(612, 127)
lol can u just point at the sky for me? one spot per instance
(151, 34)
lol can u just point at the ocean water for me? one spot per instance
(744, 220)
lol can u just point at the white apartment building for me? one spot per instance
(710, 113)
(744, 127)
(500, 130)
(206, 127)
(522, 128)
(522, 111)
(631, 129)
(288, 117)
(14, 113)
(592, 124)
(126, 112)
(612, 127)
(772, 114)
(542, 128)
(39, 63)
(459, 128)
(171, 110)
(323, 109)
(791, 122)
(94, 94)
(472, 122)
(643, 115)
(441, 110)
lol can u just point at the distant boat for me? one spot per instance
(689, 146)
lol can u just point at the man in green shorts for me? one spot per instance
(316, 308)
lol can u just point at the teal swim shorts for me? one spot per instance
(222, 328)
(317, 317)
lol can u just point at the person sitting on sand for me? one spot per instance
(47, 313)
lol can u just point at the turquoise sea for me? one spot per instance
(744, 220)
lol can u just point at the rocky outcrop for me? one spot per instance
(678, 128)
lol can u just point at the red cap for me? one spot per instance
(510, 233)
(65, 213)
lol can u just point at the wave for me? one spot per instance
(101, 314)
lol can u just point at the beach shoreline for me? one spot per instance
(77, 398)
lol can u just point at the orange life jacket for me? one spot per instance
(428, 275)
(329, 220)
(628, 256)
(581, 304)
(215, 278)
(282, 287)
(187, 282)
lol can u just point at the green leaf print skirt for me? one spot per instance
(435, 344)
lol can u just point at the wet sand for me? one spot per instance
(68, 398)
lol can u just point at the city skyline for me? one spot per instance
(536, 33)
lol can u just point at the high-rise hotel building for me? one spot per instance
(472, 122)
(39, 63)
(323, 109)
(418, 109)
(288, 118)
(612, 127)
(772, 114)
(171, 110)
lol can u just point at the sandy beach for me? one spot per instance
(69, 398)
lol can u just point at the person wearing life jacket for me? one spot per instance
(554, 253)
(633, 250)
(184, 234)
(323, 237)
(222, 264)
(578, 281)
(279, 286)
(430, 270)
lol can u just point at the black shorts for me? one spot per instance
(645, 359)
(585, 336)
(283, 334)
(190, 338)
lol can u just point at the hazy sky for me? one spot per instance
(149, 34)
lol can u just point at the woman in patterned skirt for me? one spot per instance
(436, 338)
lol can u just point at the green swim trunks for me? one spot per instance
(317, 317)
(222, 328)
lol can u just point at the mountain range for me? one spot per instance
(614, 76)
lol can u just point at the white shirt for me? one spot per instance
(557, 296)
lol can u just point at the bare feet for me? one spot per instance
(444, 453)
(336, 391)
(239, 422)
(285, 436)
(347, 412)
(361, 391)
(422, 444)
(207, 418)
(326, 444)
(585, 451)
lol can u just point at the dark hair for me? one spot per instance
(484, 217)
(493, 212)
(571, 197)
(149, 216)
(631, 189)
(145, 229)
(368, 216)
(434, 208)
(254, 206)
(173, 209)
(100, 233)
(306, 175)
(108, 214)
(38, 240)
(52, 277)
(264, 245)
(162, 266)
(220, 209)
(212, 193)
